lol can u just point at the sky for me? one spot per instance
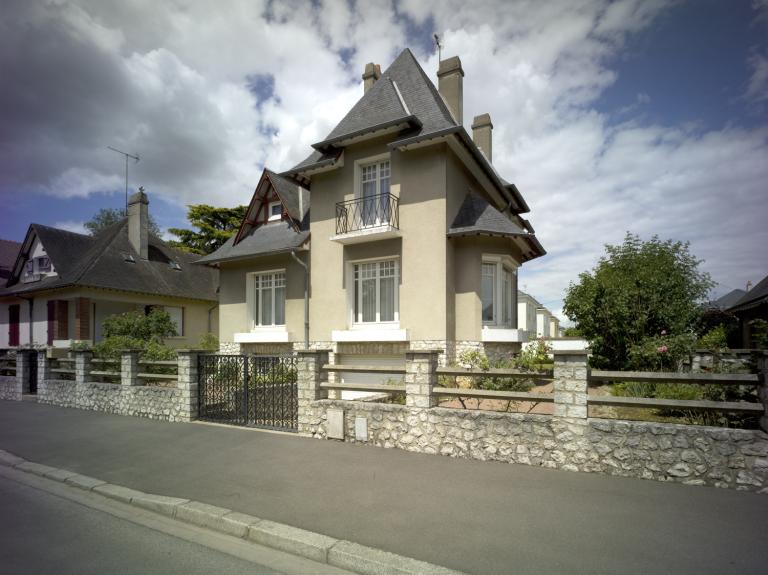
(642, 116)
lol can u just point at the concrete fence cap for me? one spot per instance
(312, 351)
(571, 352)
(423, 351)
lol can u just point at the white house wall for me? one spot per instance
(4, 325)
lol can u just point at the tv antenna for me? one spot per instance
(439, 47)
(135, 158)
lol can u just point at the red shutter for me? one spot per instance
(13, 325)
(51, 320)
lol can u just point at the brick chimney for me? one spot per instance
(371, 73)
(482, 134)
(450, 83)
(138, 223)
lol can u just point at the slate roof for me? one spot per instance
(477, 216)
(8, 252)
(289, 194)
(267, 239)
(756, 296)
(100, 262)
(728, 300)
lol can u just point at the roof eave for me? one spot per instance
(217, 261)
(410, 121)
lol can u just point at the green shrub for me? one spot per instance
(663, 352)
(157, 324)
(715, 340)
(208, 342)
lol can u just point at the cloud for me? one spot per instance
(207, 97)
(72, 226)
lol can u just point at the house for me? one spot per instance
(543, 315)
(526, 314)
(8, 252)
(750, 308)
(728, 300)
(413, 240)
(63, 285)
(554, 326)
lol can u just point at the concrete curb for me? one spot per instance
(321, 548)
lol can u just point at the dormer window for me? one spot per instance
(174, 265)
(129, 258)
(30, 268)
(275, 211)
(44, 264)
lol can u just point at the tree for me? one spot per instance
(105, 217)
(214, 227)
(637, 291)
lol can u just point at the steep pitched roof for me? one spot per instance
(290, 194)
(728, 300)
(756, 296)
(101, 262)
(9, 250)
(271, 238)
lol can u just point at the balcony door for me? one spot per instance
(374, 183)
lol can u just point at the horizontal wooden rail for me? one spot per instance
(364, 368)
(172, 362)
(64, 359)
(62, 370)
(662, 377)
(494, 372)
(364, 387)
(651, 402)
(109, 373)
(491, 394)
(157, 376)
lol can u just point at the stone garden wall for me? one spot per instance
(10, 388)
(161, 403)
(733, 458)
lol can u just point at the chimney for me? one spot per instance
(451, 86)
(482, 134)
(370, 75)
(749, 285)
(138, 223)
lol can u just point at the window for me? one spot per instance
(275, 211)
(44, 264)
(267, 301)
(374, 191)
(30, 267)
(497, 292)
(376, 286)
(177, 317)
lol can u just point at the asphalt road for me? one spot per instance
(473, 516)
(43, 533)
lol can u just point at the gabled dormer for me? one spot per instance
(35, 262)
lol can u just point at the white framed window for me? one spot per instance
(497, 291)
(29, 267)
(177, 317)
(376, 292)
(44, 264)
(373, 176)
(266, 298)
(274, 211)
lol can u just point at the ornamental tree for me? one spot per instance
(636, 291)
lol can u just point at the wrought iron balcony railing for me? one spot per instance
(366, 213)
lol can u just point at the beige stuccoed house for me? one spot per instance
(413, 240)
(63, 285)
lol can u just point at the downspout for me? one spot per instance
(210, 309)
(306, 298)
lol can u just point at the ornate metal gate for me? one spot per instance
(251, 390)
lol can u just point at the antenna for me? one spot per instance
(135, 158)
(439, 47)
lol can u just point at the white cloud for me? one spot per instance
(170, 81)
(72, 226)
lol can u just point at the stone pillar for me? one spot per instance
(83, 365)
(188, 383)
(570, 386)
(420, 378)
(129, 367)
(762, 390)
(23, 369)
(43, 369)
(310, 376)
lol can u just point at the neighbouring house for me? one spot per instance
(413, 240)
(9, 250)
(63, 285)
(526, 314)
(752, 306)
(554, 326)
(728, 300)
(543, 316)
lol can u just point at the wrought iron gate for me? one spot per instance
(251, 390)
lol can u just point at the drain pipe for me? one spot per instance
(306, 297)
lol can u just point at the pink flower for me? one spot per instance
(662, 349)
(663, 332)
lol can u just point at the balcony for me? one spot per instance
(367, 219)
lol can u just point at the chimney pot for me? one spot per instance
(482, 134)
(371, 73)
(138, 223)
(450, 79)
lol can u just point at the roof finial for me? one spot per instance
(439, 47)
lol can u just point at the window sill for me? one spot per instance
(265, 335)
(372, 333)
(503, 334)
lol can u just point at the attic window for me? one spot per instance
(44, 264)
(275, 211)
(129, 258)
(174, 265)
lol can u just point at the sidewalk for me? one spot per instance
(467, 515)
